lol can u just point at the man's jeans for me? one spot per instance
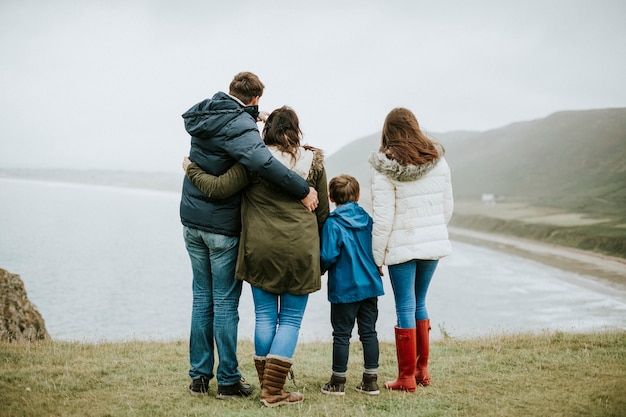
(214, 315)
(410, 281)
(277, 324)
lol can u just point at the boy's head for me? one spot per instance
(343, 189)
(247, 87)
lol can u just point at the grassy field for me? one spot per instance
(552, 374)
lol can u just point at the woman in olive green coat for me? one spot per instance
(278, 248)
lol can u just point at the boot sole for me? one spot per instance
(401, 388)
(197, 393)
(265, 403)
(368, 392)
(229, 396)
(336, 393)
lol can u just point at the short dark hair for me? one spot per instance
(344, 189)
(246, 86)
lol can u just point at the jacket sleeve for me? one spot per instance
(331, 246)
(383, 213)
(448, 198)
(217, 188)
(246, 146)
(323, 208)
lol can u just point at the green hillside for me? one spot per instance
(570, 160)
(570, 165)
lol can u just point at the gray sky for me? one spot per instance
(103, 84)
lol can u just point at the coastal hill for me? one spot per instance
(561, 179)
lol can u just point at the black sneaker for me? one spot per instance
(199, 386)
(240, 389)
(368, 385)
(336, 386)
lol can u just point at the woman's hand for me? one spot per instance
(262, 117)
(186, 163)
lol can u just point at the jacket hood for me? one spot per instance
(208, 117)
(352, 216)
(396, 171)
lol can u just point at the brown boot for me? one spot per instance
(274, 378)
(422, 342)
(406, 353)
(259, 364)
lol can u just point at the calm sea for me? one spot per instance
(106, 263)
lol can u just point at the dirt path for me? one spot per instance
(606, 268)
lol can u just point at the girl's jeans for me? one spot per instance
(410, 281)
(277, 324)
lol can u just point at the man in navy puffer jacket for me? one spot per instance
(223, 131)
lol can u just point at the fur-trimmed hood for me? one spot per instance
(394, 170)
(309, 159)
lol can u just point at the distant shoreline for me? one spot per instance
(607, 268)
(610, 269)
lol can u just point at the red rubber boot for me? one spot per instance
(406, 352)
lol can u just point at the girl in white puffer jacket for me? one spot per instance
(412, 204)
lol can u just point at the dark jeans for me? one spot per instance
(342, 317)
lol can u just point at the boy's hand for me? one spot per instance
(380, 271)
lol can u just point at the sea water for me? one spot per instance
(109, 263)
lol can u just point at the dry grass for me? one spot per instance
(527, 213)
(553, 374)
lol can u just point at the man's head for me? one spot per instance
(247, 87)
(343, 189)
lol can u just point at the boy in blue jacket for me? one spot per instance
(354, 284)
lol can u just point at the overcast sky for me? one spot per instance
(103, 84)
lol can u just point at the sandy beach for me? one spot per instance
(611, 270)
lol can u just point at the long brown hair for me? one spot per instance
(404, 141)
(282, 129)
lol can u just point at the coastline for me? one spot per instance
(608, 269)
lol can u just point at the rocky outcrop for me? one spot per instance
(19, 318)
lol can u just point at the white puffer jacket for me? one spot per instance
(412, 206)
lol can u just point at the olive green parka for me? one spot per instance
(279, 248)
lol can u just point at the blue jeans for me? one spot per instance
(410, 281)
(214, 315)
(277, 323)
(342, 317)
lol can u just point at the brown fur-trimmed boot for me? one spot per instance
(422, 342)
(259, 364)
(274, 378)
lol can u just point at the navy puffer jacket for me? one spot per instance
(224, 132)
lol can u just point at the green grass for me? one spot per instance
(551, 374)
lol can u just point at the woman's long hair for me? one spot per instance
(282, 130)
(404, 141)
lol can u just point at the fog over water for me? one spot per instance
(106, 263)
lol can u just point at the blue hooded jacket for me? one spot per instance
(224, 132)
(346, 254)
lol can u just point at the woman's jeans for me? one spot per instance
(214, 314)
(410, 281)
(277, 324)
(342, 317)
